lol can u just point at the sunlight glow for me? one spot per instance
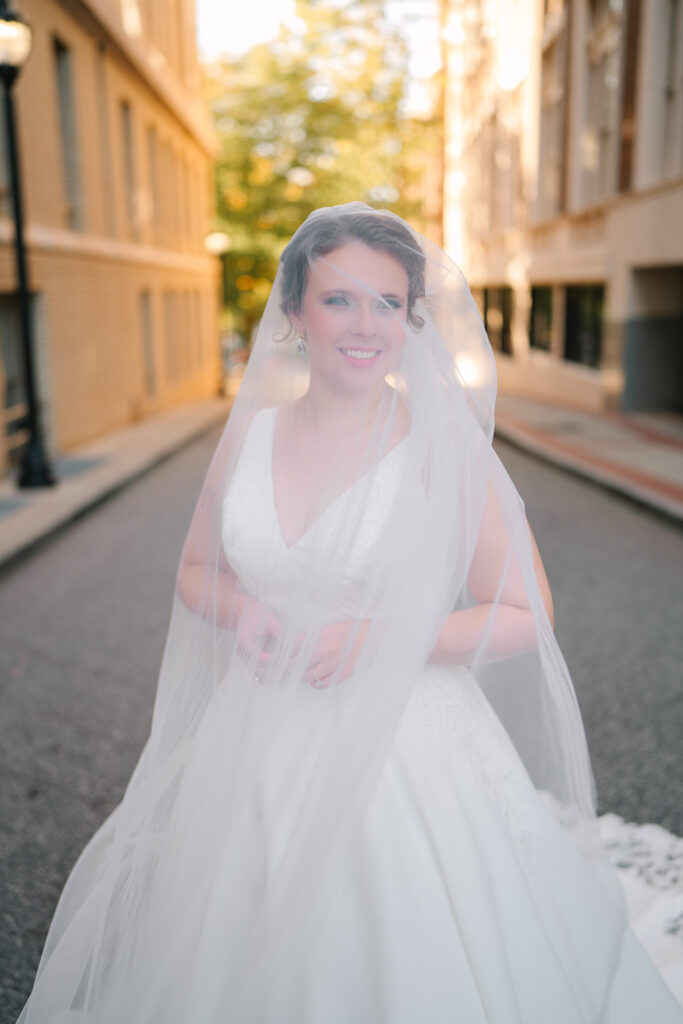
(221, 30)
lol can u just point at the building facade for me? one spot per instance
(563, 192)
(116, 152)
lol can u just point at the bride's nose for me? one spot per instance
(364, 323)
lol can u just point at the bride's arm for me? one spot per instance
(196, 585)
(216, 595)
(508, 626)
(212, 590)
(206, 582)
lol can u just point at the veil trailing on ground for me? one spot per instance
(390, 541)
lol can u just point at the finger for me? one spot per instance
(320, 675)
(323, 650)
(248, 647)
(334, 669)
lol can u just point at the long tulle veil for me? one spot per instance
(256, 775)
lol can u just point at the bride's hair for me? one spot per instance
(319, 236)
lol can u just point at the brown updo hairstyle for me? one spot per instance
(320, 235)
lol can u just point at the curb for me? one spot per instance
(656, 495)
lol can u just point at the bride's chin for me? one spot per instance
(366, 384)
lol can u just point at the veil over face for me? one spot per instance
(354, 502)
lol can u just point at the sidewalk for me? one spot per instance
(637, 454)
(91, 473)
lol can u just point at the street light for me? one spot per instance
(15, 46)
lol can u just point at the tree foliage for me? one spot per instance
(312, 119)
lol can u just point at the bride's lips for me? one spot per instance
(354, 357)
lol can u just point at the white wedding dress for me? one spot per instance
(460, 901)
(460, 887)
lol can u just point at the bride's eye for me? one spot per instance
(337, 300)
(388, 304)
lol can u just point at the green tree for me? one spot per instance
(312, 119)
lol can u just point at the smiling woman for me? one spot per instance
(366, 795)
(357, 323)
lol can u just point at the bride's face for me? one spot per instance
(353, 314)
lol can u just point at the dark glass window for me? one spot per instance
(498, 318)
(68, 135)
(583, 324)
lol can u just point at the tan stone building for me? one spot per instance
(116, 149)
(564, 191)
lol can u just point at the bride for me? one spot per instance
(366, 795)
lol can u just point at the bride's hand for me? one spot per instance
(258, 630)
(335, 655)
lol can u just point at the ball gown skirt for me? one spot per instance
(460, 899)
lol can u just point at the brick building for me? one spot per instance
(564, 191)
(116, 149)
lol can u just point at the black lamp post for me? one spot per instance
(15, 45)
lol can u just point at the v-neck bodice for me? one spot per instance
(338, 546)
(329, 509)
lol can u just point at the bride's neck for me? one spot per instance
(328, 410)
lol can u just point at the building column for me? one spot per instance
(557, 324)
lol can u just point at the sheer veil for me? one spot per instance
(354, 494)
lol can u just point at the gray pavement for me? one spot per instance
(615, 574)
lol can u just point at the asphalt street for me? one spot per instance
(83, 621)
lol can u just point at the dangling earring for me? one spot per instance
(301, 344)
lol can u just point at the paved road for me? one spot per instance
(615, 572)
(82, 628)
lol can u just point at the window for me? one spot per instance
(583, 324)
(162, 198)
(601, 127)
(673, 101)
(541, 317)
(176, 313)
(171, 336)
(153, 175)
(186, 229)
(554, 90)
(505, 167)
(147, 334)
(103, 123)
(128, 163)
(197, 328)
(498, 318)
(67, 132)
